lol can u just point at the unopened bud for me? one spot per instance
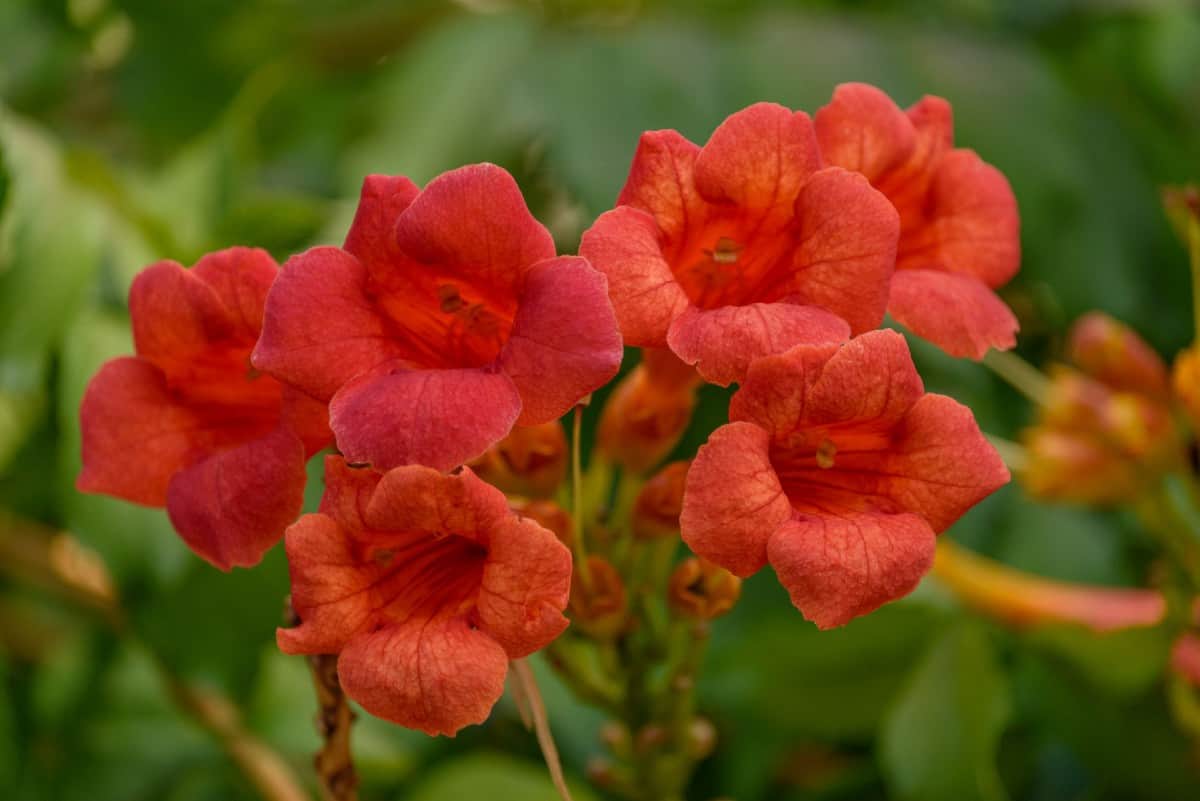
(702, 738)
(1076, 468)
(1115, 355)
(658, 505)
(530, 461)
(1185, 381)
(548, 514)
(650, 737)
(615, 737)
(598, 603)
(600, 771)
(699, 589)
(648, 411)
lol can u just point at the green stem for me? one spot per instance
(1019, 374)
(579, 545)
(1193, 229)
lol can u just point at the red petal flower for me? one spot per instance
(426, 584)
(839, 470)
(958, 218)
(744, 247)
(189, 424)
(445, 320)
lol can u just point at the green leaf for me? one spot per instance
(940, 740)
(1121, 663)
(493, 777)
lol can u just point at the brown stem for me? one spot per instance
(334, 762)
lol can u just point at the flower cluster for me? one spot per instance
(439, 346)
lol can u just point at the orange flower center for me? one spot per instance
(425, 576)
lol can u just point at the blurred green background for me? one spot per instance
(134, 130)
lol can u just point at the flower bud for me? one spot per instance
(702, 738)
(599, 605)
(700, 589)
(1077, 468)
(530, 461)
(1185, 381)
(648, 411)
(657, 508)
(1113, 354)
(548, 514)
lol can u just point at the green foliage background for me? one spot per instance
(138, 130)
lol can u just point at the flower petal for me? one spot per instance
(973, 226)
(439, 418)
(837, 567)
(526, 584)
(861, 129)
(330, 587)
(233, 506)
(564, 341)
(308, 418)
(136, 436)
(869, 380)
(320, 329)
(623, 244)
(435, 675)
(419, 498)
(348, 492)
(958, 313)
(372, 235)
(733, 501)
(661, 184)
(176, 316)
(847, 252)
(758, 159)
(722, 342)
(473, 222)
(241, 278)
(940, 464)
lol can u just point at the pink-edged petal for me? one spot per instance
(234, 505)
(958, 313)
(564, 341)
(320, 328)
(844, 564)
(420, 498)
(473, 222)
(330, 587)
(758, 159)
(241, 278)
(372, 235)
(624, 245)
(136, 436)
(434, 675)
(661, 184)
(973, 226)
(526, 584)
(439, 418)
(847, 252)
(723, 342)
(933, 120)
(732, 501)
(861, 129)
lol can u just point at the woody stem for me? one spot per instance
(334, 762)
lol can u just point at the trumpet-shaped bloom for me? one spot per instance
(188, 424)
(426, 585)
(839, 470)
(744, 247)
(959, 229)
(443, 321)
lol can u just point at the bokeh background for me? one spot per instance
(134, 130)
